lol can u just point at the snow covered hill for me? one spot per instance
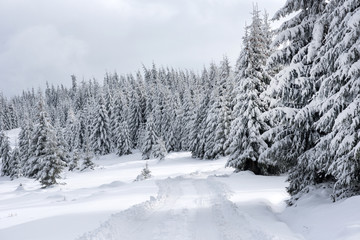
(185, 199)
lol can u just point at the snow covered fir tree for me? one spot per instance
(47, 161)
(312, 96)
(246, 141)
(290, 104)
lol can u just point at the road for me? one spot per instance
(187, 208)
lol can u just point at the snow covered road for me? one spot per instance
(186, 208)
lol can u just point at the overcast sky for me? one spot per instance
(43, 40)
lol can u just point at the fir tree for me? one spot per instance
(292, 131)
(72, 130)
(150, 139)
(123, 142)
(247, 128)
(333, 156)
(5, 155)
(214, 117)
(46, 164)
(25, 138)
(197, 134)
(145, 173)
(101, 135)
(135, 116)
(62, 145)
(219, 116)
(188, 119)
(15, 162)
(173, 142)
(120, 128)
(50, 162)
(160, 149)
(74, 162)
(87, 163)
(84, 126)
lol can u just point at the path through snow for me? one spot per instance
(188, 207)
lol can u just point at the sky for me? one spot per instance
(48, 41)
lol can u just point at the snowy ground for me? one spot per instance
(186, 199)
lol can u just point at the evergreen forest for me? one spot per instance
(290, 104)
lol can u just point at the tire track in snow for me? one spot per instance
(174, 218)
(157, 219)
(232, 223)
(185, 208)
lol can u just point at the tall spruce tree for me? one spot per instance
(219, 115)
(197, 134)
(247, 128)
(88, 154)
(84, 126)
(72, 129)
(173, 116)
(214, 118)
(188, 118)
(150, 139)
(5, 155)
(122, 140)
(15, 163)
(292, 88)
(101, 135)
(120, 128)
(334, 155)
(25, 138)
(62, 145)
(159, 149)
(46, 164)
(135, 116)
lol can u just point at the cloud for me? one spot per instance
(44, 40)
(38, 54)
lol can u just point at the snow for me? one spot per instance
(186, 198)
(317, 217)
(318, 33)
(13, 136)
(354, 20)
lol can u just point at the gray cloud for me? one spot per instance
(44, 40)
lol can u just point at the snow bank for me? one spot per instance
(316, 217)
